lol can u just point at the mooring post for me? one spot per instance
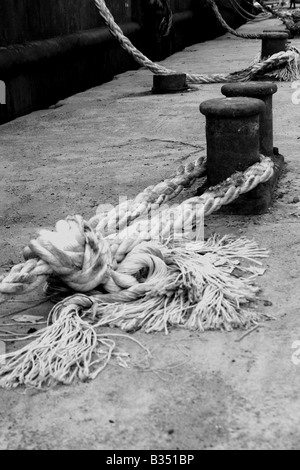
(278, 31)
(171, 83)
(263, 91)
(272, 43)
(232, 134)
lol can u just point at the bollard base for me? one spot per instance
(259, 200)
(172, 83)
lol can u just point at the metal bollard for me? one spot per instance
(232, 134)
(278, 31)
(272, 43)
(263, 91)
(172, 83)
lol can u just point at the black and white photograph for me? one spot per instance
(149, 228)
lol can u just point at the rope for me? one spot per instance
(246, 14)
(274, 62)
(216, 10)
(271, 67)
(167, 22)
(140, 285)
(269, 9)
(188, 285)
(197, 291)
(83, 259)
(80, 255)
(69, 348)
(191, 210)
(153, 196)
(290, 22)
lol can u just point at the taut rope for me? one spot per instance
(277, 61)
(230, 30)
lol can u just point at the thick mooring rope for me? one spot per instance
(246, 14)
(83, 259)
(211, 201)
(152, 197)
(190, 285)
(131, 283)
(275, 62)
(191, 210)
(228, 28)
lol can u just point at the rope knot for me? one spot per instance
(74, 252)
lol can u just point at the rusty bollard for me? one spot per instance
(232, 134)
(263, 91)
(171, 83)
(272, 43)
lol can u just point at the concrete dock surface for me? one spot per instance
(204, 390)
